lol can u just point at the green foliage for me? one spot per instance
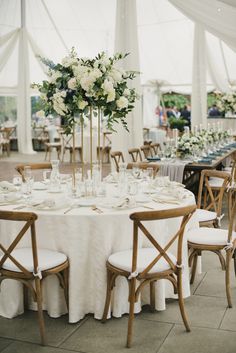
(175, 99)
(175, 123)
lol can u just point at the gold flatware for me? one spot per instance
(96, 209)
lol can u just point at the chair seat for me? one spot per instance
(123, 260)
(205, 215)
(209, 236)
(216, 182)
(46, 259)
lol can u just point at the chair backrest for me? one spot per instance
(212, 199)
(139, 217)
(7, 132)
(147, 151)
(232, 225)
(135, 154)
(117, 157)
(34, 166)
(156, 147)
(29, 219)
(145, 165)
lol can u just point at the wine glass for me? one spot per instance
(17, 181)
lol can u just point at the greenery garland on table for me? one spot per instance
(76, 84)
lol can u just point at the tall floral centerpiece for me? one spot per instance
(227, 103)
(79, 87)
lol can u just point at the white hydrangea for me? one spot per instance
(122, 102)
(59, 104)
(111, 96)
(68, 61)
(79, 71)
(107, 86)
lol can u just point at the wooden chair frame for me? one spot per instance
(173, 274)
(117, 157)
(156, 147)
(147, 151)
(197, 249)
(30, 280)
(34, 166)
(211, 198)
(135, 154)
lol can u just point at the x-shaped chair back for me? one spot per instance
(135, 154)
(117, 157)
(29, 223)
(212, 199)
(139, 217)
(147, 151)
(156, 147)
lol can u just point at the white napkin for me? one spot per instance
(5, 186)
(52, 204)
(124, 202)
(170, 195)
(9, 198)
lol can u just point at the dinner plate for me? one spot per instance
(86, 202)
(39, 186)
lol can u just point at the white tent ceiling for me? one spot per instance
(165, 39)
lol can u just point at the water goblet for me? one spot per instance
(17, 181)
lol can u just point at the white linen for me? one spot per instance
(174, 170)
(88, 238)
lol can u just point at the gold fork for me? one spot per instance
(96, 209)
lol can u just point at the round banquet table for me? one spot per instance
(88, 238)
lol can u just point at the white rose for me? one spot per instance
(40, 114)
(122, 102)
(95, 74)
(82, 104)
(126, 92)
(54, 76)
(111, 96)
(116, 75)
(72, 83)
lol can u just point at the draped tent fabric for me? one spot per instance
(199, 93)
(217, 17)
(126, 41)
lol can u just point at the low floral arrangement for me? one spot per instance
(187, 144)
(227, 102)
(77, 84)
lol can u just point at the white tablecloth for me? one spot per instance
(88, 238)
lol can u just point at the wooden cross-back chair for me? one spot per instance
(135, 154)
(217, 241)
(209, 203)
(117, 157)
(155, 147)
(34, 166)
(31, 265)
(147, 265)
(147, 151)
(144, 166)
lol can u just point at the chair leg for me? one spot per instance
(40, 310)
(227, 277)
(66, 286)
(25, 291)
(152, 295)
(194, 268)
(110, 280)
(234, 258)
(131, 312)
(181, 300)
